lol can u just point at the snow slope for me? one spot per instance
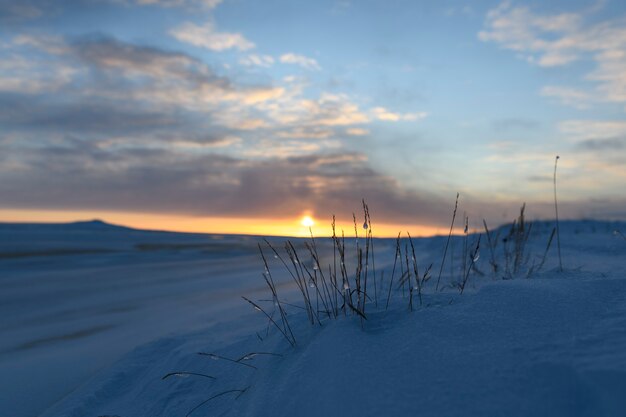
(76, 297)
(552, 344)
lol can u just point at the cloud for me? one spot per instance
(578, 130)
(326, 111)
(208, 4)
(44, 115)
(518, 29)
(224, 142)
(603, 145)
(15, 12)
(160, 181)
(357, 131)
(32, 73)
(156, 77)
(381, 113)
(76, 175)
(301, 60)
(334, 110)
(251, 60)
(560, 39)
(611, 72)
(285, 147)
(141, 129)
(308, 132)
(53, 45)
(100, 78)
(207, 36)
(135, 61)
(38, 82)
(568, 96)
(138, 128)
(120, 59)
(153, 81)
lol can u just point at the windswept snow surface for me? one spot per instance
(550, 343)
(76, 297)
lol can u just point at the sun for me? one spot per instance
(307, 221)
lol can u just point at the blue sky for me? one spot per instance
(268, 109)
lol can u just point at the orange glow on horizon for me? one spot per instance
(300, 226)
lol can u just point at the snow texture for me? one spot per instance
(93, 332)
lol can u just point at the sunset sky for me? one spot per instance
(243, 115)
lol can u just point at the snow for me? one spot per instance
(92, 334)
(65, 314)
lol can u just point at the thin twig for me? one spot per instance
(257, 307)
(556, 212)
(184, 373)
(251, 355)
(545, 254)
(474, 256)
(214, 356)
(393, 271)
(493, 263)
(445, 251)
(240, 391)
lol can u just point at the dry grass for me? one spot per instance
(338, 284)
(445, 250)
(556, 214)
(347, 284)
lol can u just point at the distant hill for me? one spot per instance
(87, 225)
(25, 240)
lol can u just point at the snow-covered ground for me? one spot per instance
(93, 333)
(75, 298)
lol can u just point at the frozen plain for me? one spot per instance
(93, 333)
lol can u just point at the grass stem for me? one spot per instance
(445, 250)
(556, 212)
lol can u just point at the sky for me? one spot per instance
(243, 116)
